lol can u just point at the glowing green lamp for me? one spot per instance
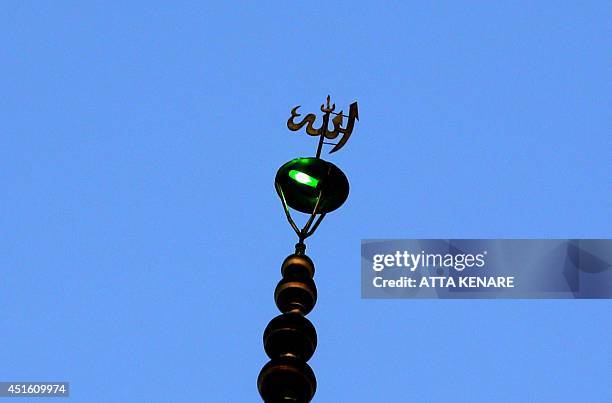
(303, 178)
(312, 185)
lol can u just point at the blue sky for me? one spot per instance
(141, 237)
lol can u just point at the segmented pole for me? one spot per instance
(290, 339)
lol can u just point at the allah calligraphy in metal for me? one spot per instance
(323, 132)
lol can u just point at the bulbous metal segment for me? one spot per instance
(297, 266)
(290, 335)
(286, 380)
(296, 295)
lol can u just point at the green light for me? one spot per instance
(303, 182)
(303, 178)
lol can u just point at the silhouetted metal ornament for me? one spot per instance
(293, 294)
(286, 380)
(323, 132)
(290, 334)
(315, 187)
(304, 181)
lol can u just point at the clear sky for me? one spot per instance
(141, 237)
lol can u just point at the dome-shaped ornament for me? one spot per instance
(304, 182)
